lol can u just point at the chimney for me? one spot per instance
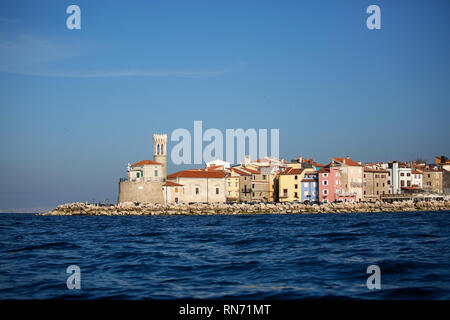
(247, 159)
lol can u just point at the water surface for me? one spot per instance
(235, 257)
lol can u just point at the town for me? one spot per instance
(271, 180)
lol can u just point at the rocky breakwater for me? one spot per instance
(131, 209)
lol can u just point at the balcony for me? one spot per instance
(341, 193)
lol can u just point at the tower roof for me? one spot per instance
(146, 163)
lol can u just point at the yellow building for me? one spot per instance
(289, 184)
(232, 187)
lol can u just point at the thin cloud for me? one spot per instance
(34, 56)
(133, 73)
(8, 20)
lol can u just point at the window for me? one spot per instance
(176, 200)
(295, 195)
(176, 190)
(324, 175)
(229, 193)
(253, 185)
(137, 174)
(325, 182)
(325, 191)
(296, 177)
(229, 184)
(408, 174)
(156, 173)
(264, 177)
(197, 190)
(217, 190)
(295, 186)
(402, 174)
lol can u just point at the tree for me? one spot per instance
(444, 159)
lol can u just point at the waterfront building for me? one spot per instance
(400, 176)
(351, 177)
(329, 178)
(260, 185)
(433, 180)
(173, 192)
(201, 185)
(375, 183)
(232, 186)
(145, 179)
(289, 184)
(245, 183)
(416, 179)
(310, 187)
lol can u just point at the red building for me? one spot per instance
(330, 185)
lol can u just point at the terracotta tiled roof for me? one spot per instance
(197, 174)
(348, 162)
(172, 184)
(325, 169)
(375, 170)
(252, 171)
(240, 172)
(416, 172)
(292, 171)
(432, 170)
(145, 163)
(309, 180)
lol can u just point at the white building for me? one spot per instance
(400, 176)
(417, 178)
(218, 163)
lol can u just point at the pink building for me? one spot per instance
(330, 185)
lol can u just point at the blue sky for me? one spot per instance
(77, 105)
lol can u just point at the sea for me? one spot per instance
(262, 256)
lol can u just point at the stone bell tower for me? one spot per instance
(160, 152)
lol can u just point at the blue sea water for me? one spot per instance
(232, 257)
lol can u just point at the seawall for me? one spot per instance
(130, 209)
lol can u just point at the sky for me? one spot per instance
(77, 105)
